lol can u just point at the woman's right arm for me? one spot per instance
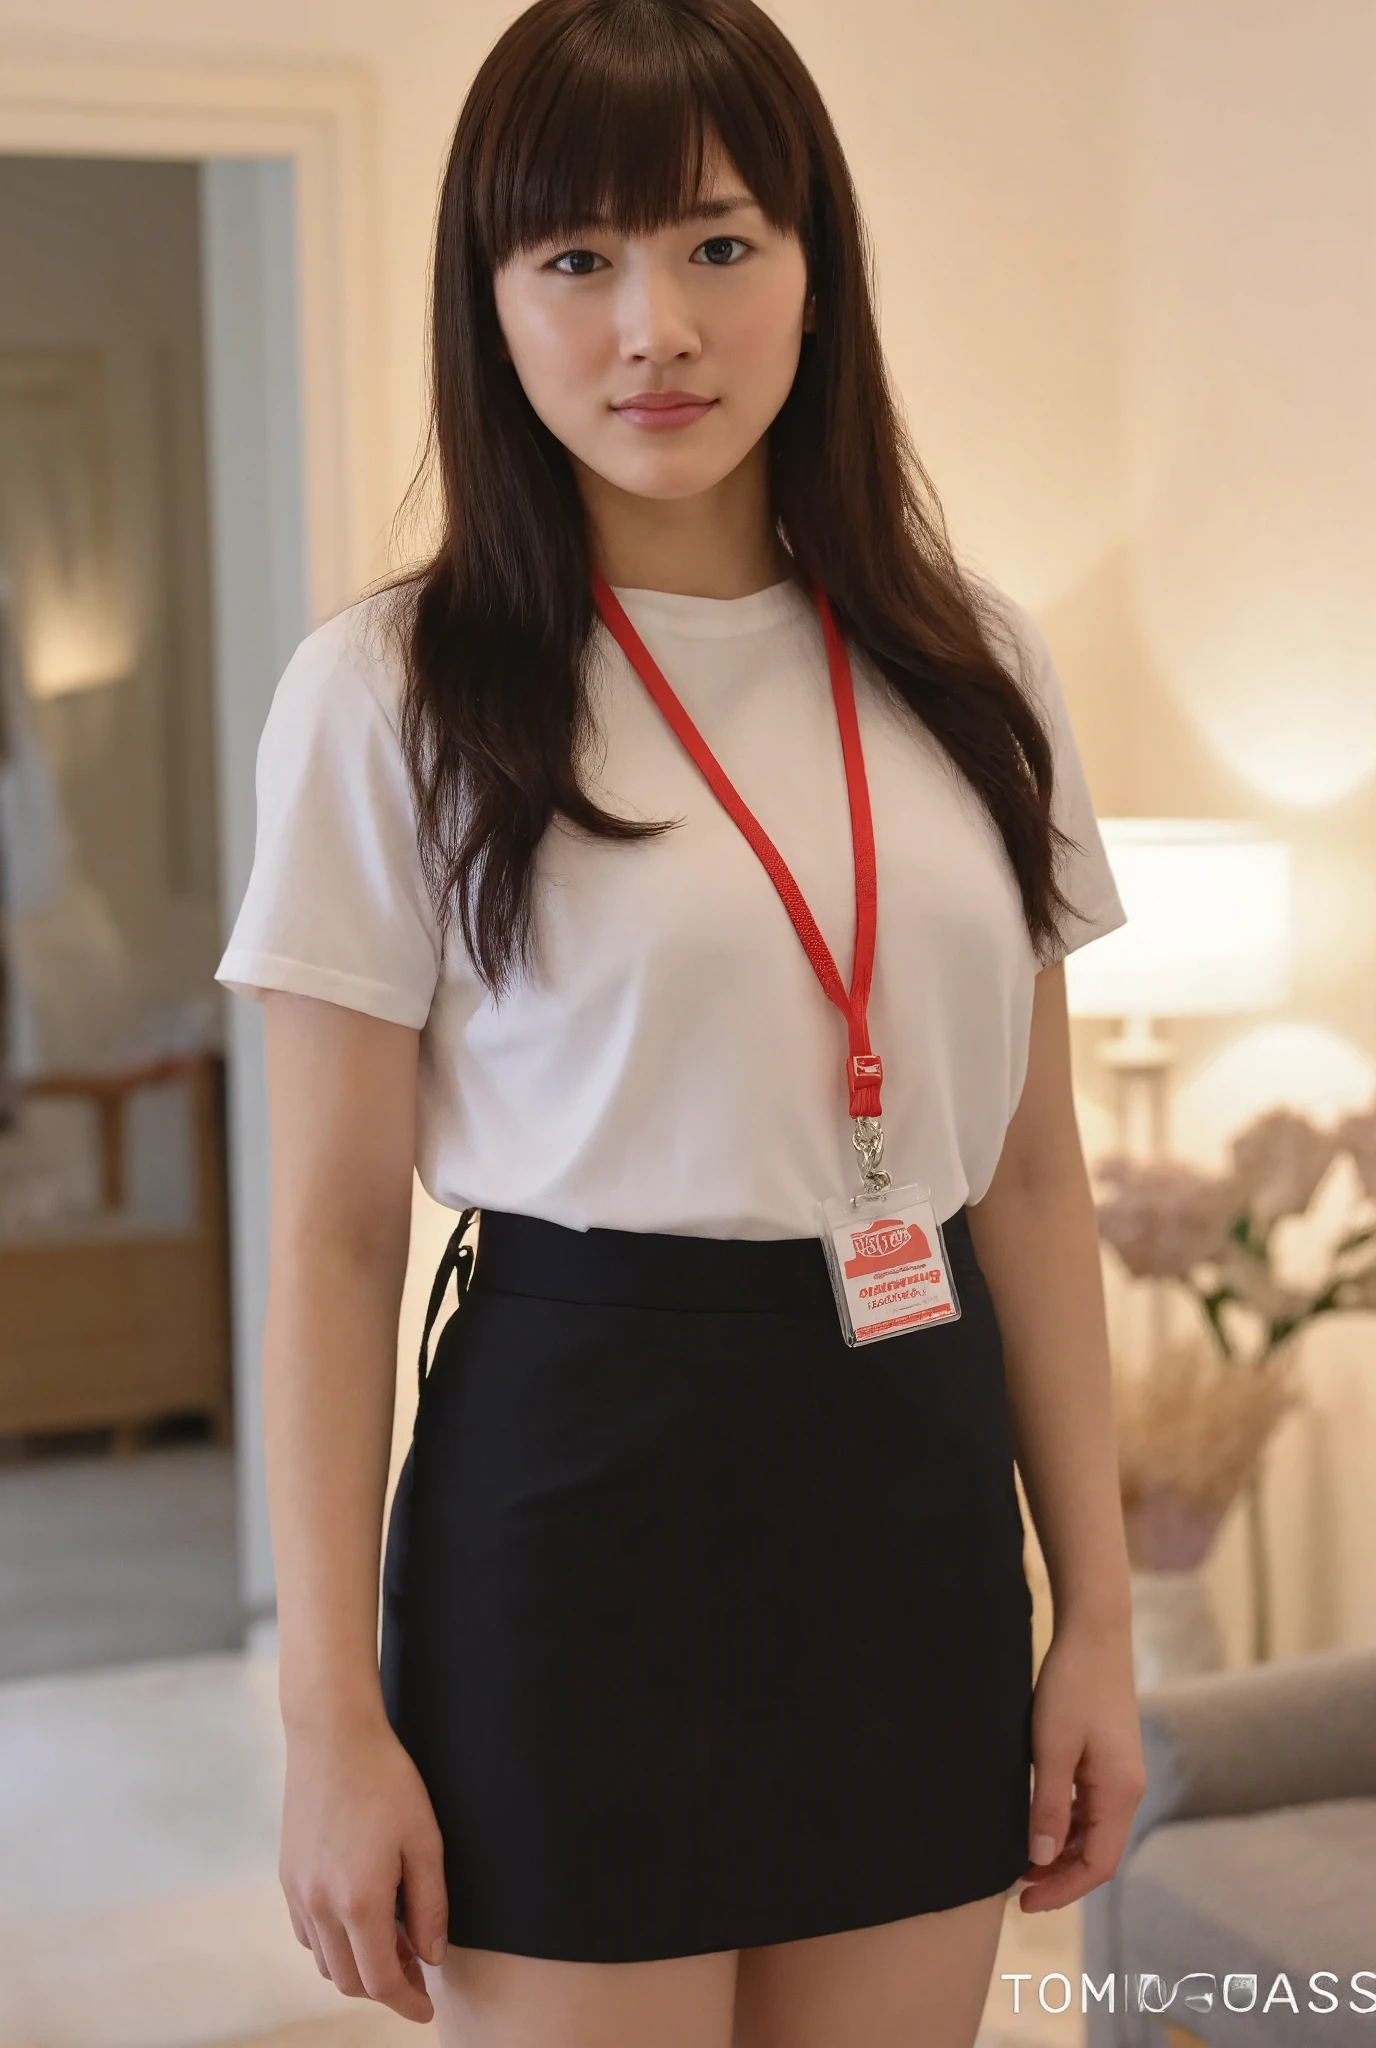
(357, 1820)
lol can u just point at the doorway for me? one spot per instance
(152, 584)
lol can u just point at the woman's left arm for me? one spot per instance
(1036, 1237)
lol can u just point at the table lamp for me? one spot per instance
(1208, 934)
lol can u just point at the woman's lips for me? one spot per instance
(659, 410)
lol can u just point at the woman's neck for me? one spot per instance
(721, 543)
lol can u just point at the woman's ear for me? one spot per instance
(810, 316)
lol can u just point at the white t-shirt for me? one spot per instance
(670, 1062)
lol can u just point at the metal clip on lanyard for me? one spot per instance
(458, 1259)
(864, 1067)
(867, 1136)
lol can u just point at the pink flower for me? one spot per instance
(1164, 1216)
(1278, 1161)
(1357, 1134)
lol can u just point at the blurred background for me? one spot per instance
(1126, 253)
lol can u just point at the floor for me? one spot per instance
(139, 1904)
(111, 1560)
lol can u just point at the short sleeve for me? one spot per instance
(1083, 873)
(336, 904)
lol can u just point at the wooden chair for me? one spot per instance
(108, 1319)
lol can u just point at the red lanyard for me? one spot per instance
(864, 1069)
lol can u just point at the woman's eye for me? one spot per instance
(719, 250)
(576, 262)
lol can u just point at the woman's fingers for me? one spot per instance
(363, 1950)
(1053, 1792)
(1110, 1800)
(383, 1966)
(303, 1927)
(338, 1952)
(410, 1961)
(365, 1953)
(425, 1897)
(298, 1925)
(1099, 1823)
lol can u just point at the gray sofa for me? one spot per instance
(1252, 1853)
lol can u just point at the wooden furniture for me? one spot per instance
(109, 1319)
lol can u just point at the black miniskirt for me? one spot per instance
(703, 1629)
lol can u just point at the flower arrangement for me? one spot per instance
(1193, 1423)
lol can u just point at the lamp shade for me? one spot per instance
(1208, 922)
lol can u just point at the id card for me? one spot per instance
(887, 1259)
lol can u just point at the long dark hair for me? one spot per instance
(601, 110)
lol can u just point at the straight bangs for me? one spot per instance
(612, 128)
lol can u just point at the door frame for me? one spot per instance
(318, 120)
(322, 118)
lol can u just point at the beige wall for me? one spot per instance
(1128, 272)
(1247, 684)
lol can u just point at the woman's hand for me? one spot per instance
(356, 1823)
(1089, 1773)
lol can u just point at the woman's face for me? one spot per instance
(660, 360)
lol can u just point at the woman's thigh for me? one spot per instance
(484, 1999)
(917, 1983)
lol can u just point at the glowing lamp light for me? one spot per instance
(1208, 904)
(76, 647)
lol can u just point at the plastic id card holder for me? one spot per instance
(887, 1259)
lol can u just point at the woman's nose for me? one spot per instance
(655, 318)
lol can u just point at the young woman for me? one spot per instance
(689, 835)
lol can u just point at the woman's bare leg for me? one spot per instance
(484, 1999)
(918, 1983)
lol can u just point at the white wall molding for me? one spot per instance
(77, 100)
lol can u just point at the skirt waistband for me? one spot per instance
(652, 1269)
